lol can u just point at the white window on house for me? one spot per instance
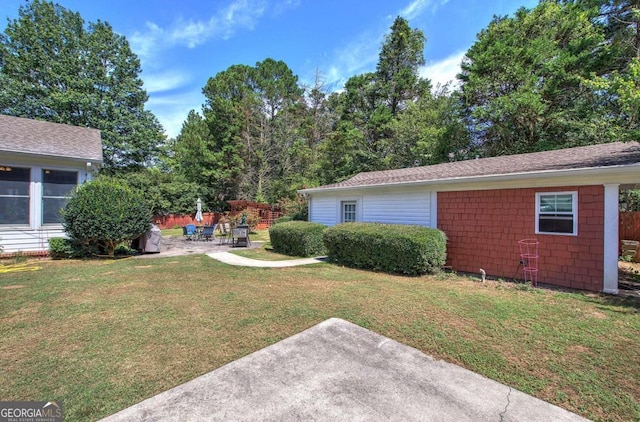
(56, 188)
(557, 213)
(348, 211)
(14, 195)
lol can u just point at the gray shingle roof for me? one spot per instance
(589, 157)
(44, 138)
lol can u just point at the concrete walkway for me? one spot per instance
(338, 371)
(233, 259)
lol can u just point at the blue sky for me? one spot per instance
(182, 43)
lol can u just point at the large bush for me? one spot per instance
(297, 238)
(297, 208)
(103, 213)
(392, 248)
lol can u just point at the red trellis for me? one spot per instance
(529, 260)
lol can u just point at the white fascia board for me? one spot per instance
(31, 156)
(579, 177)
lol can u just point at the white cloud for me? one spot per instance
(165, 81)
(282, 6)
(223, 24)
(356, 57)
(144, 43)
(172, 110)
(361, 54)
(417, 7)
(190, 33)
(443, 71)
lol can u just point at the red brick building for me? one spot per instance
(564, 200)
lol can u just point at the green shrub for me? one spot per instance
(124, 250)
(61, 248)
(297, 238)
(297, 208)
(391, 248)
(283, 219)
(104, 213)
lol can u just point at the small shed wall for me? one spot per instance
(483, 228)
(322, 209)
(405, 207)
(389, 205)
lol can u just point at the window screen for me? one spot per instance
(14, 195)
(56, 188)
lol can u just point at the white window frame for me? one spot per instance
(573, 213)
(43, 170)
(343, 205)
(15, 195)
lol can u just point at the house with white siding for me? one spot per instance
(40, 163)
(565, 201)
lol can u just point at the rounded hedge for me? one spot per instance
(392, 248)
(283, 219)
(297, 238)
(104, 213)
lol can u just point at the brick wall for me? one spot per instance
(483, 228)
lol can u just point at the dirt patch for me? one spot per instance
(14, 286)
(629, 279)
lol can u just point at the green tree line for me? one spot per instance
(561, 74)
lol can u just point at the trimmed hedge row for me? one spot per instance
(391, 248)
(297, 238)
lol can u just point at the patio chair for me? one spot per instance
(190, 231)
(208, 232)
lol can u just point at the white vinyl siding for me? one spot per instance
(392, 206)
(408, 207)
(322, 209)
(28, 240)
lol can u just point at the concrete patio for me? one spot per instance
(338, 371)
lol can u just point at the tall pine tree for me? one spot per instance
(53, 67)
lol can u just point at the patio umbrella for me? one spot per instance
(199, 217)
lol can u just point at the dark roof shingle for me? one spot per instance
(593, 156)
(30, 136)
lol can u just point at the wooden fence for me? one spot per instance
(266, 213)
(629, 226)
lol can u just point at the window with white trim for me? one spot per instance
(56, 188)
(348, 211)
(14, 195)
(557, 213)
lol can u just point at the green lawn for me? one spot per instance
(103, 335)
(264, 254)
